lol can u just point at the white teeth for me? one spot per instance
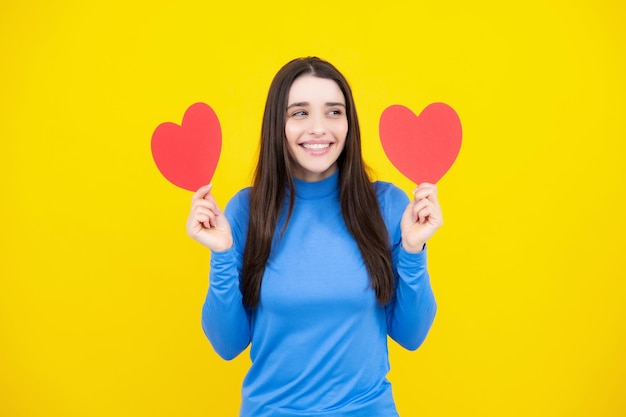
(316, 146)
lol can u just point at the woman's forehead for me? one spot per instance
(311, 89)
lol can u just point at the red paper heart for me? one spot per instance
(187, 155)
(422, 147)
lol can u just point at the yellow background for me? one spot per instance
(101, 289)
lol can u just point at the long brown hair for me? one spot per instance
(273, 177)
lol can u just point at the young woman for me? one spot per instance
(315, 265)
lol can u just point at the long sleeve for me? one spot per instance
(411, 311)
(225, 320)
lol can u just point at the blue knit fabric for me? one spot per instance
(318, 337)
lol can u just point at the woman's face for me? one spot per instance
(316, 127)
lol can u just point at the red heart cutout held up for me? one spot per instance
(424, 147)
(187, 155)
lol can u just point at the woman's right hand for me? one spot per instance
(207, 223)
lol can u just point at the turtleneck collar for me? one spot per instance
(319, 189)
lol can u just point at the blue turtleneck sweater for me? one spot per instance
(318, 336)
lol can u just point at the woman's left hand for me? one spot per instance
(421, 218)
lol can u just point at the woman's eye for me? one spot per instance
(299, 113)
(336, 112)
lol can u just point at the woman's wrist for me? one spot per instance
(417, 248)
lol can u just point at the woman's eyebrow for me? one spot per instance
(306, 103)
(299, 104)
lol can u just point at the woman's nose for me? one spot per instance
(318, 126)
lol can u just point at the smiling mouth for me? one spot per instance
(316, 146)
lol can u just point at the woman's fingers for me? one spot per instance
(421, 218)
(425, 202)
(422, 210)
(202, 193)
(426, 190)
(206, 205)
(205, 216)
(206, 223)
(204, 208)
